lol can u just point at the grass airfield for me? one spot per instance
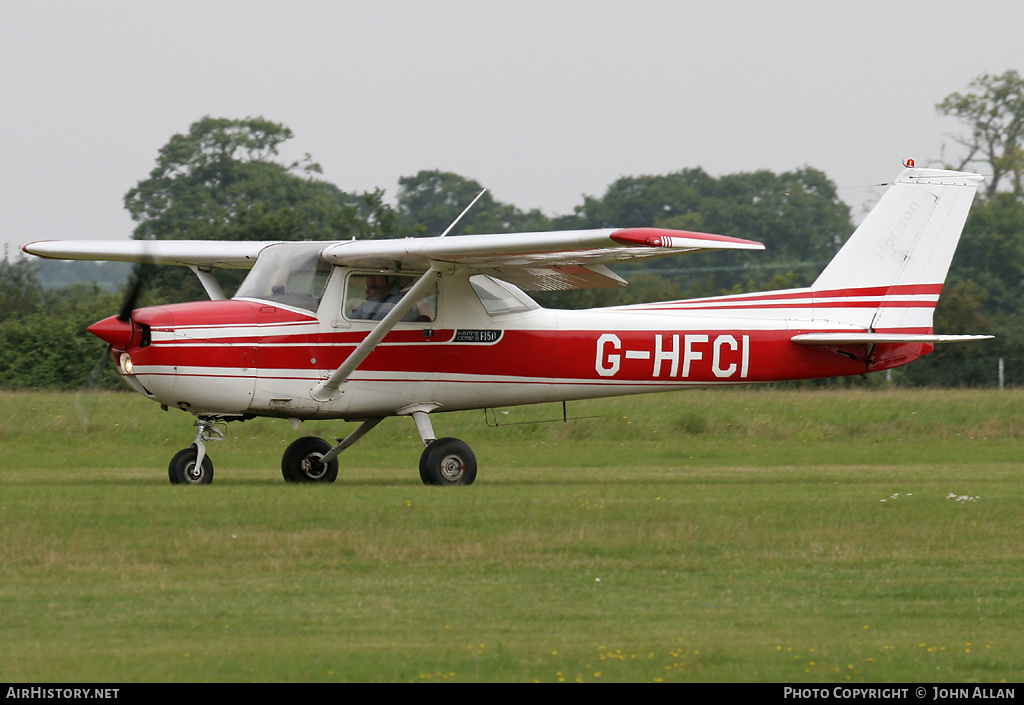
(739, 535)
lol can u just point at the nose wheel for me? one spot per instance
(187, 469)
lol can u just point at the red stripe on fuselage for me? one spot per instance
(876, 296)
(530, 356)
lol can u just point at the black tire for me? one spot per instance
(447, 461)
(301, 461)
(183, 470)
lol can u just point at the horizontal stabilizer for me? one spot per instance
(866, 338)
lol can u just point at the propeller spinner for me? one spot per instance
(119, 331)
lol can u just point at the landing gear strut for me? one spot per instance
(192, 466)
(445, 461)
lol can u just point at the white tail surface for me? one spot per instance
(888, 275)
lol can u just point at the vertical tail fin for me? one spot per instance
(899, 256)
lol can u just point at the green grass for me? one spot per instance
(738, 535)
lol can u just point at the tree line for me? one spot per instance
(225, 179)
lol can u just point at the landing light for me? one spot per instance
(126, 363)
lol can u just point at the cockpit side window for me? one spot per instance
(369, 297)
(288, 274)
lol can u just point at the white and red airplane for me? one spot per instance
(412, 327)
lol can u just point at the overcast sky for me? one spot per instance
(541, 101)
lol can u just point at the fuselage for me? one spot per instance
(248, 356)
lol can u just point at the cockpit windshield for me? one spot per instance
(291, 274)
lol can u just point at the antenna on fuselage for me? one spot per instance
(454, 222)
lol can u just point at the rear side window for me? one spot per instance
(500, 297)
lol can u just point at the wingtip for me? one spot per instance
(663, 237)
(33, 249)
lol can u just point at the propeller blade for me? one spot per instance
(135, 285)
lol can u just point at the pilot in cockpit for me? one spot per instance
(381, 296)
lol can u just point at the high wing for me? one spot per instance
(545, 261)
(542, 261)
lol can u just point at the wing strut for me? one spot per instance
(327, 390)
(208, 281)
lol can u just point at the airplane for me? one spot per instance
(365, 330)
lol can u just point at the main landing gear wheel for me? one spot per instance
(301, 461)
(447, 461)
(184, 470)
